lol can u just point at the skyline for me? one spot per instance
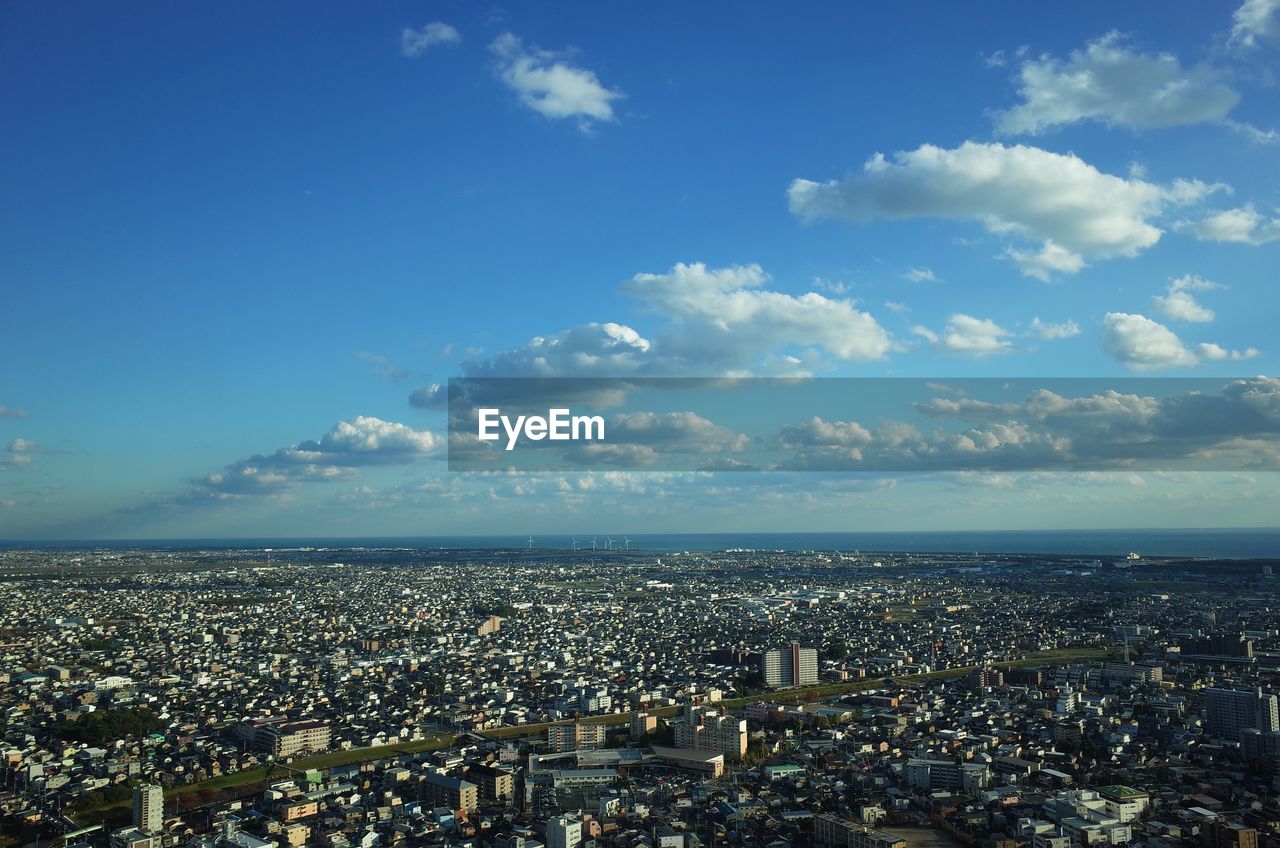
(242, 246)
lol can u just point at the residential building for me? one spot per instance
(1229, 712)
(790, 666)
(830, 831)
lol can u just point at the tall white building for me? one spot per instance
(148, 808)
(790, 666)
(704, 729)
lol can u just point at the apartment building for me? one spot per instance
(705, 729)
(790, 666)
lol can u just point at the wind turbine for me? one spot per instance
(530, 543)
(575, 542)
(608, 544)
(593, 544)
(626, 543)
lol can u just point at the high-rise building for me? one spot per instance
(790, 666)
(704, 729)
(148, 808)
(1229, 712)
(578, 736)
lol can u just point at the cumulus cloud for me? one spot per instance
(608, 454)
(815, 431)
(965, 335)
(715, 322)
(415, 42)
(1180, 304)
(1215, 352)
(1067, 209)
(550, 86)
(1113, 84)
(6, 412)
(1049, 331)
(1238, 426)
(1255, 19)
(849, 446)
(721, 320)
(349, 445)
(1129, 426)
(1141, 344)
(1243, 225)
(674, 432)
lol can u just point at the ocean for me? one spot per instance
(1246, 543)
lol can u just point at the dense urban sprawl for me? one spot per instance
(624, 699)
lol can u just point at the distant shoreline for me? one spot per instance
(1225, 543)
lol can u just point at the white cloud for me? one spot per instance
(1110, 83)
(1211, 351)
(550, 86)
(894, 306)
(725, 318)
(1255, 134)
(673, 432)
(1108, 425)
(359, 442)
(1073, 211)
(1242, 225)
(921, 275)
(415, 42)
(965, 335)
(1253, 20)
(1053, 332)
(1180, 304)
(1042, 263)
(817, 432)
(6, 412)
(588, 350)
(715, 322)
(1141, 344)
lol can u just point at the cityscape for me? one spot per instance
(157, 697)
(719, 424)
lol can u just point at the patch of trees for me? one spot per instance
(105, 726)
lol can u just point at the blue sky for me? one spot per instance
(230, 231)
